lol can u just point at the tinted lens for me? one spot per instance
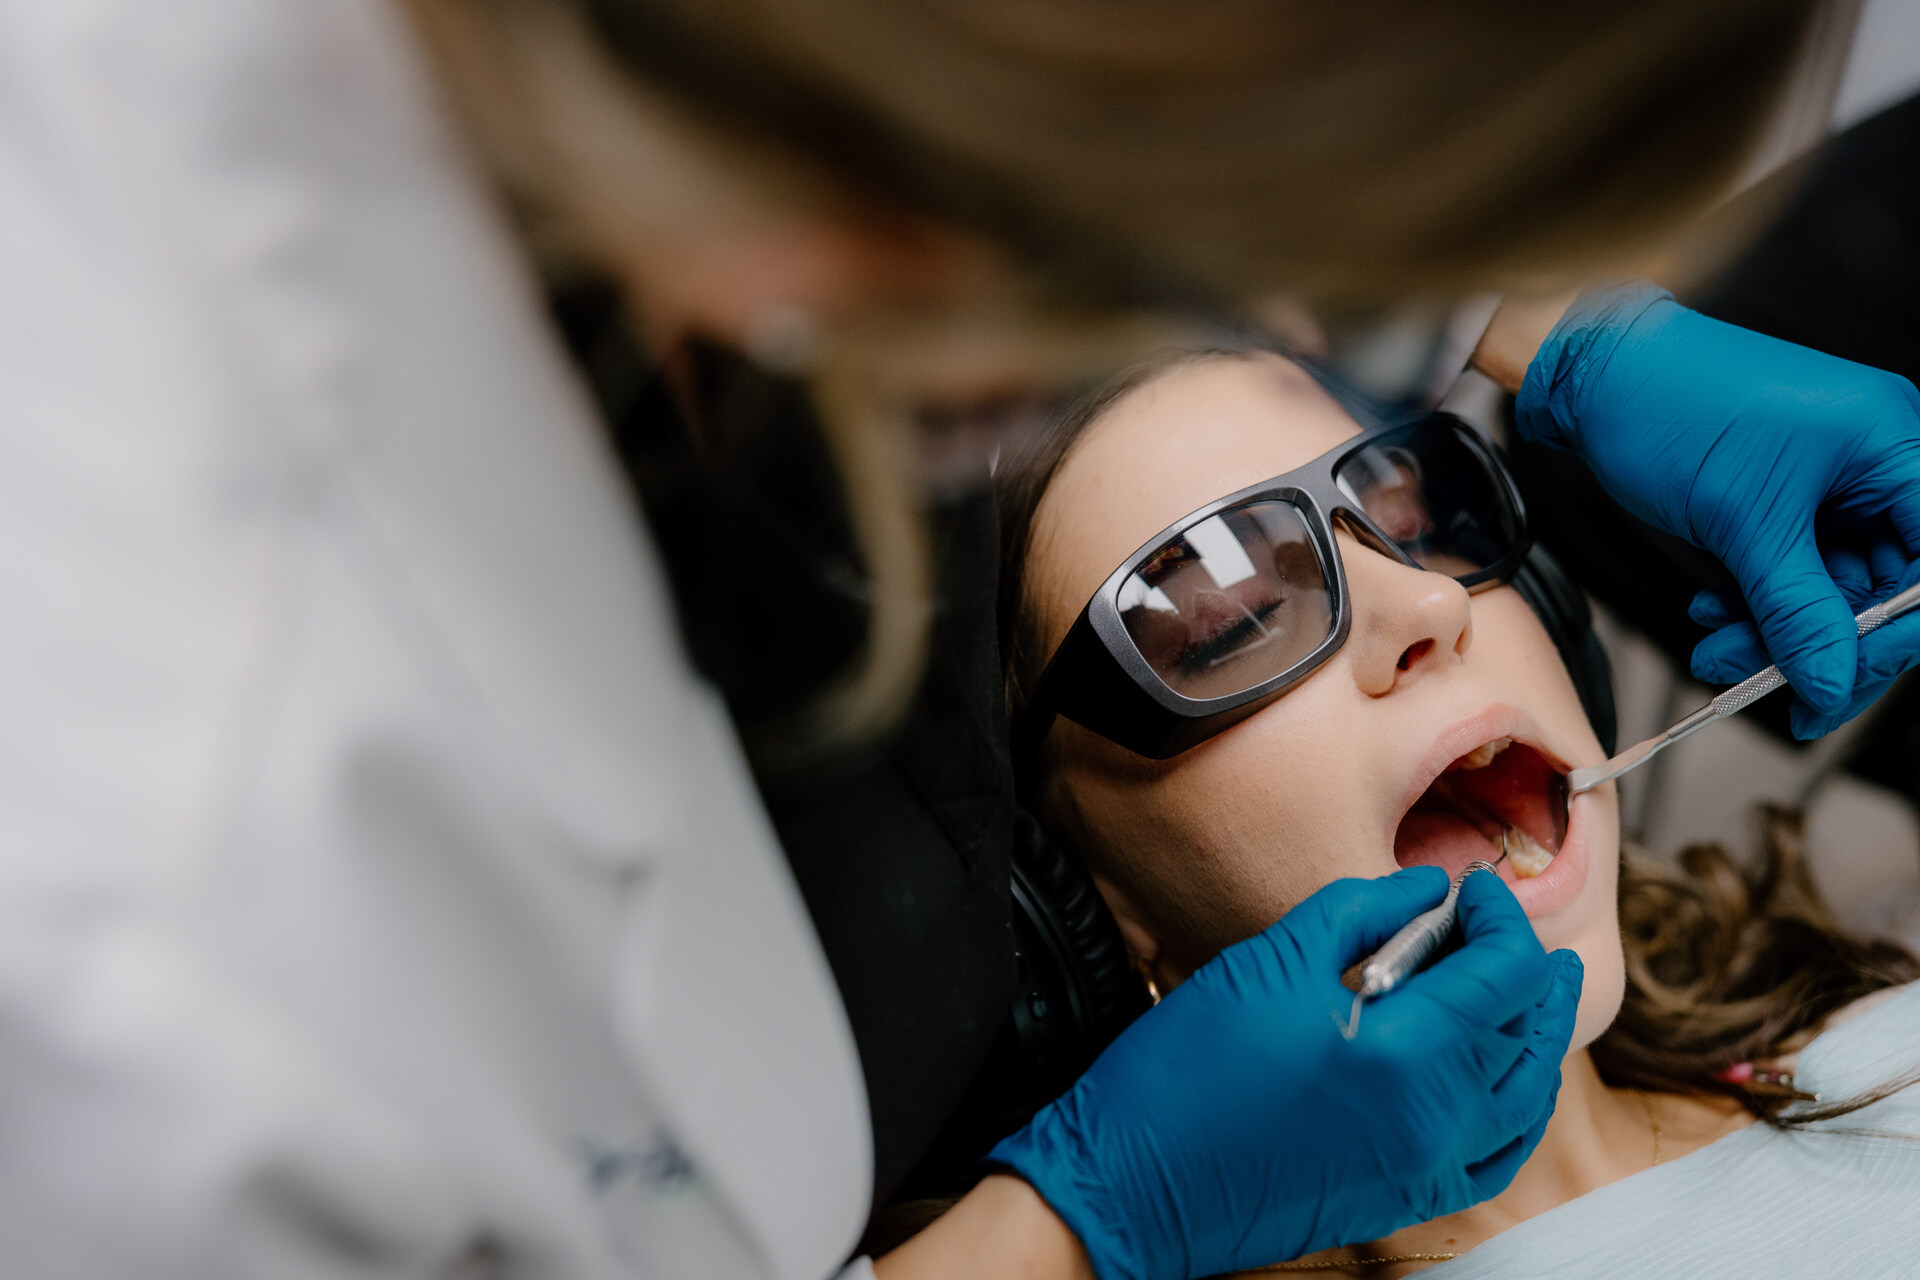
(1436, 497)
(1234, 601)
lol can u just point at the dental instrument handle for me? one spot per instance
(1406, 950)
(1734, 700)
(1401, 954)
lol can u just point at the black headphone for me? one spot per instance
(1075, 988)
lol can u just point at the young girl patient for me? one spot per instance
(1193, 721)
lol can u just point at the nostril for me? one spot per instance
(1414, 652)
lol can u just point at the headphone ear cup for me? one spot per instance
(1562, 608)
(1075, 987)
(1074, 990)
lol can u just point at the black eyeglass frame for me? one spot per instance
(1099, 679)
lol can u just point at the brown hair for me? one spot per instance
(1727, 964)
(1724, 964)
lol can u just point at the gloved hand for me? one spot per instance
(1865, 575)
(1747, 446)
(1233, 1125)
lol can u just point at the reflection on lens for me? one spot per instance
(1435, 497)
(1234, 601)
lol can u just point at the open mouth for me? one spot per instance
(1502, 794)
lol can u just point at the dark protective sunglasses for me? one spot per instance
(1230, 606)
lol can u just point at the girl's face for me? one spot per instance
(1365, 766)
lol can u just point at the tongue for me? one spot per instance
(1435, 837)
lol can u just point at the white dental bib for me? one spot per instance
(1759, 1202)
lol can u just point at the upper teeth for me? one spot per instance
(1529, 859)
(1482, 756)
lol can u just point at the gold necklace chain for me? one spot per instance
(1342, 1264)
(1653, 1122)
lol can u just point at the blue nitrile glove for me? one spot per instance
(1233, 1125)
(1744, 445)
(1865, 576)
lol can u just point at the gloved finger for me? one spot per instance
(1861, 575)
(1498, 972)
(1804, 621)
(1718, 605)
(1904, 512)
(1808, 724)
(1885, 655)
(1877, 673)
(1495, 1174)
(1866, 571)
(1889, 565)
(1535, 1074)
(1900, 479)
(1348, 919)
(1853, 571)
(1729, 655)
(1524, 1100)
(1865, 574)
(1892, 648)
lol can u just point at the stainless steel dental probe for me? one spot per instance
(1404, 952)
(1738, 698)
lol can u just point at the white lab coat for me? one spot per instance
(380, 894)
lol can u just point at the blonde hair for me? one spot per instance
(1347, 151)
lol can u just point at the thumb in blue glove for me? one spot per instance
(1743, 445)
(1234, 1126)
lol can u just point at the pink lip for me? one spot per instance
(1566, 875)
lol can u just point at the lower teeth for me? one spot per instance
(1529, 859)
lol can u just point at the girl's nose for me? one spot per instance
(1407, 622)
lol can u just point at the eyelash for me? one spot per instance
(1221, 644)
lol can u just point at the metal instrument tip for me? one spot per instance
(1352, 1028)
